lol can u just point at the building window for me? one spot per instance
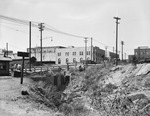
(59, 61)
(66, 53)
(74, 53)
(59, 53)
(74, 60)
(67, 60)
(81, 53)
(88, 52)
(2, 66)
(81, 60)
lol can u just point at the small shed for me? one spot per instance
(4, 66)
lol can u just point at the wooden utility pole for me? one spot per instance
(85, 50)
(105, 51)
(41, 27)
(122, 43)
(117, 18)
(113, 49)
(91, 49)
(30, 45)
(7, 49)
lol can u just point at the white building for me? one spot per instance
(77, 54)
(48, 53)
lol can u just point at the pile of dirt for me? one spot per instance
(115, 90)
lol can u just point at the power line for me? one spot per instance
(26, 22)
(11, 23)
(99, 42)
(15, 29)
(18, 21)
(102, 43)
(51, 27)
(14, 19)
(64, 33)
(35, 24)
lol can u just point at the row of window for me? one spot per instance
(40, 51)
(142, 53)
(74, 60)
(74, 53)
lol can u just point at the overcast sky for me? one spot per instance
(87, 18)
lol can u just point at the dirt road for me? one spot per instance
(12, 103)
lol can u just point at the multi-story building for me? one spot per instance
(77, 54)
(48, 53)
(142, 52)
(63, 55)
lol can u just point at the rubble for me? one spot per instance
(119, 90)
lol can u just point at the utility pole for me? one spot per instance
(30, 46)
(113, 49)
(105, 51)
(85, 50)
(7, 49)
(122, 43)
(91, 48)
(117, 18)
(119, 53)
(41, 29)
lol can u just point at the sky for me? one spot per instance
(85, 18)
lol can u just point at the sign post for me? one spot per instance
(23, 54)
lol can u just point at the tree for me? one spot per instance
(33, 60)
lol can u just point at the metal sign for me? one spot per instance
(23, 54)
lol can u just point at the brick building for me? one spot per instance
(142, 52)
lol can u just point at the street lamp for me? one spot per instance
(48, 38)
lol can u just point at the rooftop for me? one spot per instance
(5, 58)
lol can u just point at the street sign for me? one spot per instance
(23, 54)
